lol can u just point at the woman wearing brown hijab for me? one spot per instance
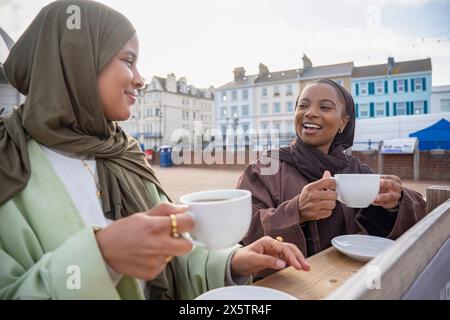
(82, 214)
(299, 201)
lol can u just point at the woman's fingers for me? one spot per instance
(291, 254)
(166, 209)
(185, 223)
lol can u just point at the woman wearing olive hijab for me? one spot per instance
(299, 201)
(82, 214)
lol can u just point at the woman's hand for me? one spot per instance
(318, 199)
(141, 245)
(390, 192)
(267, 253)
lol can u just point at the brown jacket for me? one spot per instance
(276, 213)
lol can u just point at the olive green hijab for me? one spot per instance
(55, 64)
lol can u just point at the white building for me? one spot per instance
(166, 105)
(9, 96)
(440, 99)
(265, 102)
(275, 94)
(234, 103)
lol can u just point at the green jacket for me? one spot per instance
(46, 251)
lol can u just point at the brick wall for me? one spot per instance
(369, 158)
(399, 164)
(435, 166)
(432, 166)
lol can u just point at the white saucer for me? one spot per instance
(361, 247)
(245, 293)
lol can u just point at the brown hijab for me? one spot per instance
(56, 67)
(312, 162)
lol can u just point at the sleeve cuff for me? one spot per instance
(234, 279)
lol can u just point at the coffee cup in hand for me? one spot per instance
(222, 217)
(357, 190)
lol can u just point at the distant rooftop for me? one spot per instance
(399, 67)
(332, 70)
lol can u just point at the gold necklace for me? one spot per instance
(97, 183)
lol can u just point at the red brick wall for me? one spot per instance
(435, 166)
(369, 158)
(401, 165)
(432, 166)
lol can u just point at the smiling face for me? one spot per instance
(319, 115)
(118, 82)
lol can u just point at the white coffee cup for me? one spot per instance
(357, 190)
(222, 217)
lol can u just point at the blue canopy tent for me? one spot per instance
(436, 136)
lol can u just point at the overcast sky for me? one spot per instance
(204, 40)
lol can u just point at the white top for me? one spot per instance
(81, 186)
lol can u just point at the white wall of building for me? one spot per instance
(229, 102)
(440, 99)
(282, 120)
(9, 97)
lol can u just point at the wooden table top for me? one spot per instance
(329, 269)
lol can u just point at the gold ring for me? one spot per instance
(168, 259)
(277, 239)
(174, 226)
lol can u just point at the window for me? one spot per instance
(364, 110)
(234, 112)
(245, 110)
(290, 126)
(276, 91)
(264, 92)
(276, 126)
(233, 95)
(289, 89)
(224, 97)
(264, 108)
(418, 107)
(400, 86)
(223, 112)
(380, 109)
(445, 105)
(245, 94)
(264, 125)
(289, 107)
(223, 128)
(379, 87)
(417, 85)
(245, 127)
(401, 108)
(363, 88)
(276, 107)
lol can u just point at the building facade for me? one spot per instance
(9, 96)
(392, 89)
(168, 107)
(385, 95)
(234, 104)
(265, 102)
(440, 99)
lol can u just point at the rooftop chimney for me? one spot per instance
(239, 73)
(390, 65)
(263, 69)
(306, 62)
